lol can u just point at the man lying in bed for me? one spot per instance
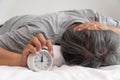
(83, 39)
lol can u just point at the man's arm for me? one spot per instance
(16, 59)
(112, 24)
(10, 58)
(96, 26)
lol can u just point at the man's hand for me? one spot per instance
(96, 26)
(36, 44)
(90, 26)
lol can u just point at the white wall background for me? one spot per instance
(10, 8)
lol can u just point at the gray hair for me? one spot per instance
(91, 48)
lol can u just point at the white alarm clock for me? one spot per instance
(42, 61)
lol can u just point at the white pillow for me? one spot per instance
(58, 59)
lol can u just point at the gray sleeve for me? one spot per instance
(14, 23)
(11, 21)
(16, 40)
(109, 21)
(7, 26)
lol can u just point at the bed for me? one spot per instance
(60, 71)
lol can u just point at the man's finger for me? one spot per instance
(50, 47)
(29, 49)
(42, 39)
(35, 42)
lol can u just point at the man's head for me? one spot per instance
(91, 48)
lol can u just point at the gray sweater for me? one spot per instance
(17, 31)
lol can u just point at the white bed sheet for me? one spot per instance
(61, 73)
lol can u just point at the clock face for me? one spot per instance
(43, 60)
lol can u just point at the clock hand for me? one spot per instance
(42, 62)
(42, 58)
